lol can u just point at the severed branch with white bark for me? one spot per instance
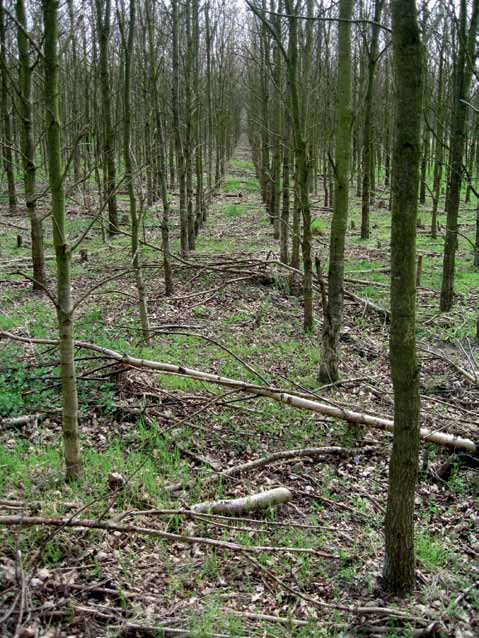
(291, 398)
(244, 504)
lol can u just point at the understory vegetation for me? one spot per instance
(239, 334)
(156, 430)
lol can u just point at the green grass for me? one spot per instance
(252, 185)
(144, 458)
(317, 227)
(238, 163)
(431, 552)
(232, 185)
(235, 210)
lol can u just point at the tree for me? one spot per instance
(103, 19)
(466, 56)
(372, 55)
(128, 41)
(7, 136)
(26, 115)
(64, 303)
(399, 560)
(333, 310)
(302, 163)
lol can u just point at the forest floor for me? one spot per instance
(310, 567)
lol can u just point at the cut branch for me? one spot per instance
(276, 394)
(245, 504)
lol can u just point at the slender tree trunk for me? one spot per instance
(180, 157)
(71, 439)
(463, 73)
(163, 176)
(476, 247)
(439, 152)
(302, 166)
(368, 122)
(284, 227)
(28, 148)
(103, 17)
(7, 125)
(129, 179)
(198, 113)
(399, 561)
(209, 99)
(333, 311)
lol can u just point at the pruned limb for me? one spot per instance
(276, 394)
(245, 504)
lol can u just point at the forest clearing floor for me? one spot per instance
(144, 431)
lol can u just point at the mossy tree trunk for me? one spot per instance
(162, 151)
(7, 137)
(28, 147)
(301, 163)
(71, 439)
(463, 73)
(368, 158)
(399, 560)
(103, 19)
(177, 123)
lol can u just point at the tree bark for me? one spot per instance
(28, 148)
(399, 561)
(103, 18)
(180, 158)
(333, 309)
(129, 180)
(71, 439)
(463, 74)
(368, 122)
(7, 125)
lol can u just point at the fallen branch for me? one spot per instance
(277, 457)
(472, 377)
(18, 421)
(245, 504)
(111, 526)
(289, 398)
(347, 293)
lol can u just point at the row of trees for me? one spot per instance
(185, 88)
(449, 125)
(143, 97)
(307, 124)
(138, 98)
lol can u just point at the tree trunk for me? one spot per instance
(328, 371)
(103, 18)
(399, 561)
(129, 180)
(368, 122)
(284, 227)
(7, 126)
(180, 158)
(71, 439)
(28, 148)
(463, 73)
(301, 165)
